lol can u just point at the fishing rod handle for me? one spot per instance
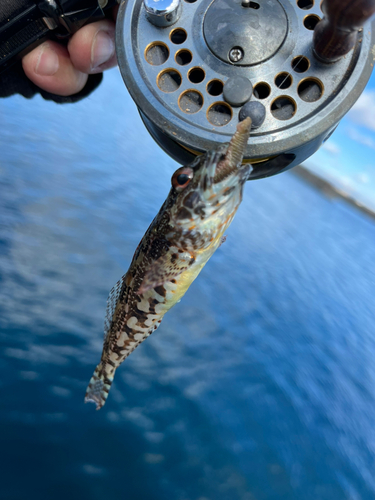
(336, 34)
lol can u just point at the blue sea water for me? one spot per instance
(259, 385)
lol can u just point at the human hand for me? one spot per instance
(64, 70)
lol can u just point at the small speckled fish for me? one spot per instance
(186, 232)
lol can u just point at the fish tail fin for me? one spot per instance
(98, 388)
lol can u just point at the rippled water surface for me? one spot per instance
(259, 385)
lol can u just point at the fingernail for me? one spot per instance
(102, 50)
(47, 63)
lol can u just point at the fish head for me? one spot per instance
(206, 194)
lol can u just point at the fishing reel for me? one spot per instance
(196, 67)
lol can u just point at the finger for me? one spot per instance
(92, 48)
(50, 68)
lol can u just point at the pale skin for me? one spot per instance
(64, 70)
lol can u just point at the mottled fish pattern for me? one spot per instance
(187, 230)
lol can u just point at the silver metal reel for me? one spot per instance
(194, 64)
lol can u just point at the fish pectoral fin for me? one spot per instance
(165, 268)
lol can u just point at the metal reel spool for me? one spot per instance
(181, 60)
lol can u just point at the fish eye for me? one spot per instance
(182, 177)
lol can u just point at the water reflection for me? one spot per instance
(258, 385)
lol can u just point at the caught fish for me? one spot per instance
(188, 229)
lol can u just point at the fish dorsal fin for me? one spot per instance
(112, 300)
(165, 268)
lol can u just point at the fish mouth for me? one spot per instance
(230, 161)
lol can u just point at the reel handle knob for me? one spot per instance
(336, 34)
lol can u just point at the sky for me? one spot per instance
(347, 159)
